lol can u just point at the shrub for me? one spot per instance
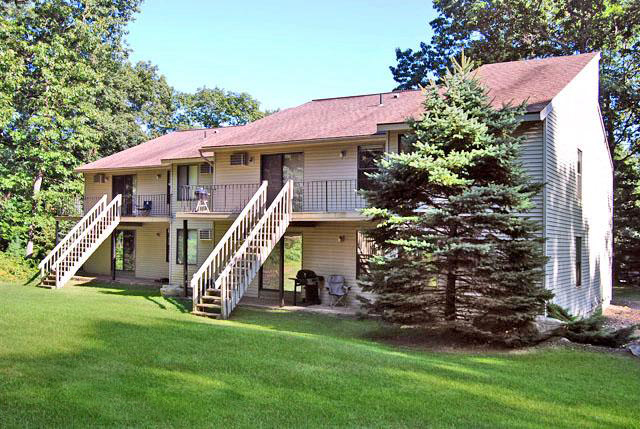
(14, 268)
(591, 330)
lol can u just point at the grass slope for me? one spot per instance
(94, 356)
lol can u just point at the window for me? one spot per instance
(192, 247)
(187, 175)
(367, 157)
(578, 261)
(579, 175)
(166, 249)
(168, 186)
(365, 249)
(405, 145)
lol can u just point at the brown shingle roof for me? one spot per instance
(534, 81)
(175, 145)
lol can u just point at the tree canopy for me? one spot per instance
(211, 108)
(507, 30)
(69, 95)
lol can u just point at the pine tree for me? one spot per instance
(457, 248)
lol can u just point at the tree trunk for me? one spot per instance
(450, 297)
(610, 133)
(37, 184)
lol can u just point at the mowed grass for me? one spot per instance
(98, 356)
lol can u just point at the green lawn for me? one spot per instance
(94, 356)
(626, 293)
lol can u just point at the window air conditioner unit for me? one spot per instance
(239, 158)
(99, 178)
(206, 168)
(205, 234)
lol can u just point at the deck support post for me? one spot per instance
(185, 256)
(113, 255)
(57, 232)
(280, 247)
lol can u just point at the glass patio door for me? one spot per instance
(283, 263)
(125, 185)
(125, 250)
(278, 169)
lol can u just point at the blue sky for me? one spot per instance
(282, 52)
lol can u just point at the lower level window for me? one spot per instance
(192, 247)
(578, 261)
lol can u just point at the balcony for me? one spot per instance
(319, 196)
(139, 205)
(214, 198)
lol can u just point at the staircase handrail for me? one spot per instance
(64, 242)
(258, 199)
(116, 201)
(286, 189)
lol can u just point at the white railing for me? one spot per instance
(229, 243)
(243, 267)
(52, 258)
(87, 242)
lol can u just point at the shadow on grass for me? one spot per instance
(237, 374)
(33, 280)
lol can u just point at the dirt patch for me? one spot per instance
(619, 316)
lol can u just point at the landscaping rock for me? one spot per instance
(548, 327)
(173, 291)
(634, 349)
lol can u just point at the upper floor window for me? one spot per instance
(187, 175)
(579, 175)
(405, 145)
(367, 157)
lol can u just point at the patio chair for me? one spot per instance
(338, 290)
(145, 209)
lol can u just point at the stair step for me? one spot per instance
(205, 314)
(214, 307)
(213, 292)
(210, 298)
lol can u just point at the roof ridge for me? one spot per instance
(208, 129)
(365, 95)
(540, 59)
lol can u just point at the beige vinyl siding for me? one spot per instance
(326, 255)
(323, 253)
(92, 189)
(151, 260)
(574, 123)
(321, 162)
(150, 253)
(148, 182)
(205, 247)
(99, 262)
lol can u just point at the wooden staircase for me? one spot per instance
(222, 281)
(80, 243)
